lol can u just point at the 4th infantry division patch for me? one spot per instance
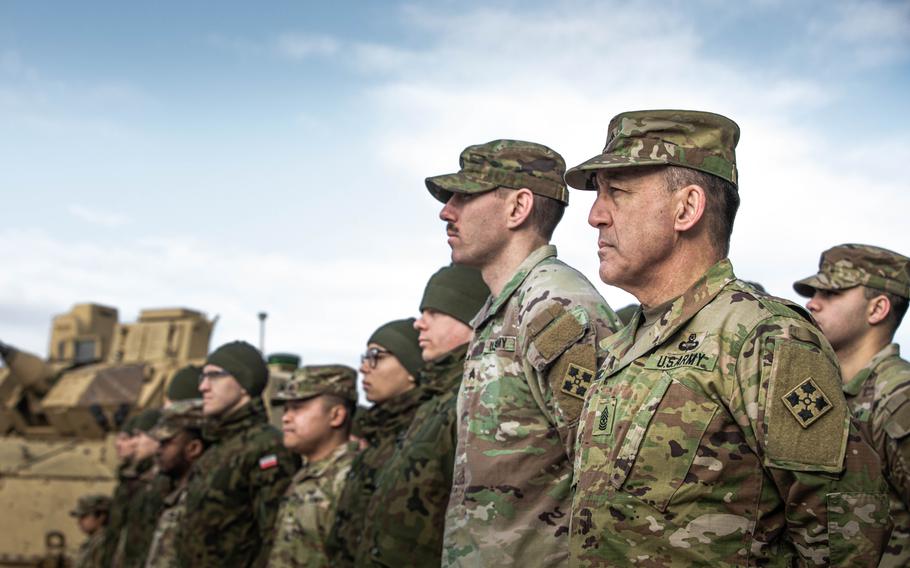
(807, 402)
(576, 381)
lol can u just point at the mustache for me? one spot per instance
(450, 228)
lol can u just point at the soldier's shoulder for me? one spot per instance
(554, 274)
(740, 304)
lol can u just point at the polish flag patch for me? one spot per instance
(268, 462)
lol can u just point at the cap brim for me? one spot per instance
(442, 187)
(807, 286)
(578, 176)
(281, 399)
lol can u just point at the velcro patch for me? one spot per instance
(563, 332)
(577, 381)
(807, 402)
(502, 343)
(268, 462)
(806, 417)
(897, 425)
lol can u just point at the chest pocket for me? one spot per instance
(662, 442)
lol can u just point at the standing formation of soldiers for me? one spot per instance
(519, 422)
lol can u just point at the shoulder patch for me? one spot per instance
(807, 403)
(268, 462)
(577, 381)
(806, 417)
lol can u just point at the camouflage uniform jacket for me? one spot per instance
(163, 550)
(721, 437)
(307, 511)
(879, 396)
(383, 426)
(528, 367)
(90, 551)
(129, 476)
(142, 515)
(408, 508)
(234, 491)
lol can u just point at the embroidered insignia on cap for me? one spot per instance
(268, 461)
(576, 381)
(807, 403)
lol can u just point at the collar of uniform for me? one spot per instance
(318, 468)
(854, 385)
(493, 305)
(174, 496)
(242, 419)
(442, 374)
(386, 419)
(621, 348)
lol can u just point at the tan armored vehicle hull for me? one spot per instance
(59, 417)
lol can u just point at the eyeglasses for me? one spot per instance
(372, 356)
(213, 375)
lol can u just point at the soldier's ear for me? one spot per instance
(878, 309)
(691, 201)
(338, 415)
(193, 449)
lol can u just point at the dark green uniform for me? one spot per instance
(234, 492)
(383, 425)
(130, 476)
(142, 516)
(407, 511)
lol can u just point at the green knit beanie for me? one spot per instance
(400, 338)
(146, 420)
(185, 384)
(455, 290)
(245, 363)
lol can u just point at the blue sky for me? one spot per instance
(234, 157)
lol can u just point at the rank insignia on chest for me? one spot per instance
(268, 462)
(576, 381)
(807, 402)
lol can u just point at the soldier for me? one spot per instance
(179, 433)
(389, 367)
(134, 475)
(408, 508)
(92, 514)
(529, 364)
(145, 500)
(184, 385)
(716, 433)
(319, 404)
(859, 298)
(234, 489)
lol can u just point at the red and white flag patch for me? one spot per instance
(268, 461)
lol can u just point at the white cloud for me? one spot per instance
(98, 217)
(866, 32)
(301, 46)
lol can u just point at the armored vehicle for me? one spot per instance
(59, 416)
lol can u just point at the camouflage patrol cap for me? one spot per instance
(701, 141)
(504, 163)
(182, 415)
(88, 504)
(846, 266)
(314, 380)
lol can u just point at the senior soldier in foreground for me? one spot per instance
(859, 298)
(529, 365)
(91, 513)
(319, 404)
(412, 490)
(390, 368)
(235, 487)
(716, 433)
(179, 434)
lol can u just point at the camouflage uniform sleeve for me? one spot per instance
(267, 486)
(561, 361)
(894, 418)
(788, 399)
